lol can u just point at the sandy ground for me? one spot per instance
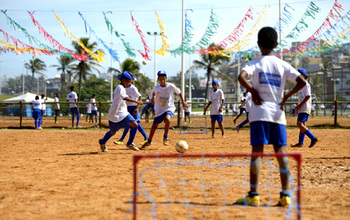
(61, 174)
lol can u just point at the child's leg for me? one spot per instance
(40, 121)
(107, 136)
(167, 125)
(78, 117)
(284, 168)
(212, 128)
(96, 119)
(73, 120)
(133, 130)
(222, 128)
(125, 132)
(35, 122)
(153, 130)
(140, 128)
(255, 166)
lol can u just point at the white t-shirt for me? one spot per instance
(37, 104)
(164, 98)
(302, 93)
(248, 103)
(187, 109)
(243, 99)
(133, 93)
(93, 104)
(269, 75)
(88, 108)
(118, 110)
(216, 101)
(72, 97)
(57, 104)
(43, 105)
(234, 107)
(313, 107)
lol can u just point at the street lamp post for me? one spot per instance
(155, 34)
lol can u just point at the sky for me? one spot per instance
(229, 14)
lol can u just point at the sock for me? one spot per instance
(165, 136)
(78, 117)
(301, 138)
(125, 132)
(185, 119)
(132, 135)
(252, 194)
(310, 135)
(106, 137)
(35, 122)
(284, 193)
(39, 122)
(140, 128)
(73, 120)
(96, 121)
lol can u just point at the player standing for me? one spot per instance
(187, 111)
(43, 107)
(248, 98)
(267, 118)
(37, 112)
(118, 115)
(72, 97)
(304, 110)
(217, 101)
(241, 108)
(57, 107)
(133, 109)
(88, 113)
(163, 99)
(93, 109)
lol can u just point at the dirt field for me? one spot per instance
(61, 174)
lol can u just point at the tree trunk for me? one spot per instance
(79, 86)
(207, 86)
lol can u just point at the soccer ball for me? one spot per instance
(144, 62)
(181, 146)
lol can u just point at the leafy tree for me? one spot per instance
(65, 66)
(35, 66)
(210, 63)
(84, 69)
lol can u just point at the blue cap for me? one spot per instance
(302, 71)
(215, 82)
(161, 73)
(126, 75)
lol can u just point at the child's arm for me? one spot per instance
(206, 107)
(139, 102)
(242, 78)
(222, 105)
(300, 84)
(137, 107)
(153, 95)
(184, 104)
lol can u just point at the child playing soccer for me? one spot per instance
(88, 113)
(267, 119)
(187, 111)
(93, 109)
(242, 108)
(217, 101)
(72, 97)
(118, 114)
(37, 112)
(248, 98)
(57, 107)
(133, 109)
(304, 110)
(163, 98)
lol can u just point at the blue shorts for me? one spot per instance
(161, 118)
(303, 117)
(263, 133)
(57, 112)
(187, 114)
(218, 118)
(131, 111)
(37, 113)
(94, 112)
(116, 126)
(74, 111)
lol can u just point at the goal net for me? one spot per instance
(205, 186)
(196, 125)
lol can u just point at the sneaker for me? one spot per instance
(56, 122)
(146, 144)
(103, 146)
(284, 200)
(78, 126)
(234, 122)
(119, 142)
(185, 123)
(237, 128)
(39, 128)
(248, 201)
(297, 145)
(144, 141)
(166, 141)
(313, 142)
(132, 146)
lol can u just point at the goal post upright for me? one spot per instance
(137, 157)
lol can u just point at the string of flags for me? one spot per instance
(331, 34)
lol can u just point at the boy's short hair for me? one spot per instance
(71, 88)
(267, 38)
(37, 97)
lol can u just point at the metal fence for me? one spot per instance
(19, 115)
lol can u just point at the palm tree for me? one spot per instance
(35, 66)
(210, 63)
(65, 66)
(84, 69)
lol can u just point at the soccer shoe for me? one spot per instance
(185, 123)
(39, 128)
(144, 141)
(313, 142)
(78, 126)
(297, 145)
(237, 128)
(284, 200)
(119, 142)
(166, 141)
(56, 122)
(132, 146)
(248, 201)
(103, 146)
(234, 122)
(146, 144)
